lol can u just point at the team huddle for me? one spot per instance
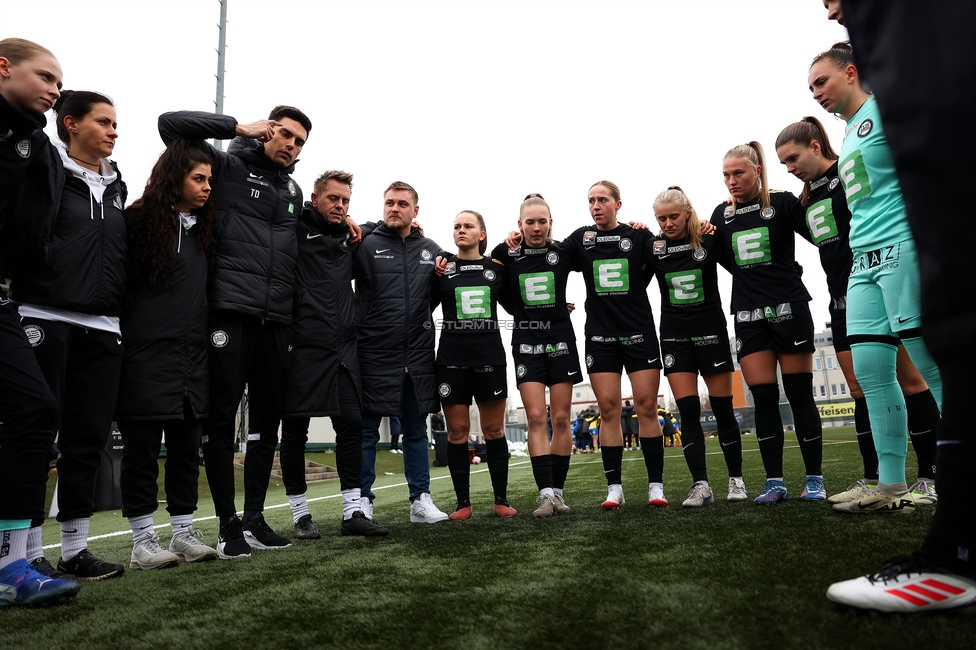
(160, 313)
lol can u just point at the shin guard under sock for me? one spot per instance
(919, 353)
(459, 464)
(497, 453)
(923, 422)
(865, 441)
(874, 363)
(692, 437)
(729, 436)
(653, 449)
(806, 419)
(769, 427)
(560, 468)
(542, 471)
(613, 460)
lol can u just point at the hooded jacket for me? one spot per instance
(85, 272)
(164, 333)
(394, 278)
(324, 318)
(257, 207)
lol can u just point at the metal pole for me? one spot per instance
(221, 58)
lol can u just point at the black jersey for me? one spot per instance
(535, 282)
(469, 293)
(612, 263)
(690, 302)
(760, 246)
(826, 223)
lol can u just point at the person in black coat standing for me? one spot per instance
(172, 233)
(322, 378)
(250, 291)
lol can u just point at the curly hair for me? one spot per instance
(153, 221)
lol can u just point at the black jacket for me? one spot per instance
(396, 333)
(628, 423)
(324, 319)
(87, 265)
(164, 334)
(31, 178)
(257, 207)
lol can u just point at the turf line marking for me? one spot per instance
(119, 533)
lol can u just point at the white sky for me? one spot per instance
(474, 103)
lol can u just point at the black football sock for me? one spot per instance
(769, 428)
(560, 468)
(865, 440)
(923, 422)
(459, 463)
(542, 471)
(806, 419)
(692, 437)
(729, 436)
(497, 453)
(613, 460)
(653, 449)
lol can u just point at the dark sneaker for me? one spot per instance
(86, 566)
(230, 540)
(21, 584)
(359, 525)
(42, 566)
(259, 535)
(305, 529)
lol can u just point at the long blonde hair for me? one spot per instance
(530, 200)
(752, 153)
(675, 194)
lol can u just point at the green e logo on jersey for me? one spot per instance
(751, 246)
(820, 221)
(538, 288)
(854, 175)
(473, 302)
(685, 287)
(611, 275)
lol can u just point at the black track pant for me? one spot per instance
(28, 421)
(251, 354)
(348, 426)
(140, 466)
(82, 367)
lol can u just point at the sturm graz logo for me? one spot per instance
(625, 244)
(833, 183)
(699, 254)
(552, 258)
(444, 390)
(668, 360)
(768, 213)
(425, 254)
(292, 188)
(219, 338)
(589, 361)
(23, 148)
(865, 128)
(738, 345)
(35, 335)
(520, 370)
(489, 275)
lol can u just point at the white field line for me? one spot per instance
(120, 533)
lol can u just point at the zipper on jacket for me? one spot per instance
(274, 213)
(406, 304)
(186, 326)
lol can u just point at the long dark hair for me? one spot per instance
(804, 133)
(153, 221)
(77, 104)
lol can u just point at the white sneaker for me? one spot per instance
(699, 495)
(655, 495)
(615, 499)
(854, 492)
(423, 511)
(737, 490)
(147, 554)
(366, 505)
(189, 547)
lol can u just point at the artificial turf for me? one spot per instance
(730, 575)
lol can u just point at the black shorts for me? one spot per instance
(549, 363)
(459, 384)
(785, 328)
(838, 325)
(704, 355)
(616, 353)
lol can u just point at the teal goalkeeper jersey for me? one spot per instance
(867, 171)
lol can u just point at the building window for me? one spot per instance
(843, 389)
(818, 364)
(830, 362)
(823, 391)
(833, 390)
(579, 394)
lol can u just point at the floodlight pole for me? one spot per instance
(221, 59)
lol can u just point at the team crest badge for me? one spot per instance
(768, 213)
(520, 371)
(625, 244)
(35, 335)
(552, 258)
(444, 390)
(589, 237)
(660, 247)
(668, 360)
(866, 127)
(699, 255)
(219, 339)
(489, 275)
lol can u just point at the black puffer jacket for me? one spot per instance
(86, 270)
(257, 207)
(396, 333)
(164, 333)
(324, 323)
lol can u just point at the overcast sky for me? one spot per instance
(474, 103)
